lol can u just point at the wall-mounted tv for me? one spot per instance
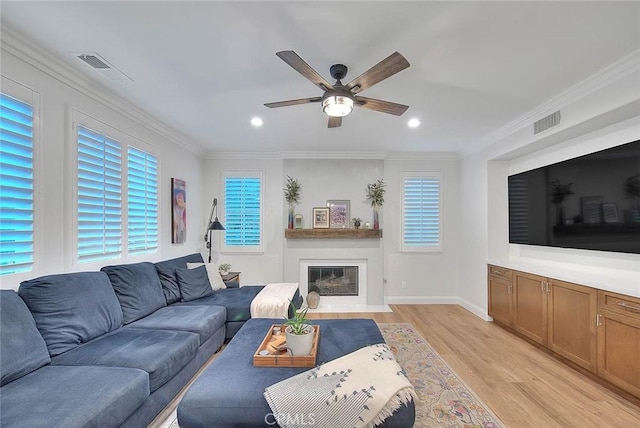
(591, 202)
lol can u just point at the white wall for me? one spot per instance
(54, 176)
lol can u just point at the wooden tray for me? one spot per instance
(282, 358)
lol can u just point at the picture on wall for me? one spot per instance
(338, 214)
(321, 218)
(178, 211)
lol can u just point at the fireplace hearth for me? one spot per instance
(333, 280)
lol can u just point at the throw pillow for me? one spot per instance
(193, 283)
(212, 271)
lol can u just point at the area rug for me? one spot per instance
(444, 400)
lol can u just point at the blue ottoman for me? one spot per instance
(228, 393)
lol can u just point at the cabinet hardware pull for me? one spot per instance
(542, 286)
(548, 286)
(509, 290)
(628, 307)
(598, 320)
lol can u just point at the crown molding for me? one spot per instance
(399, 156)
(605, 77)
(34, 55)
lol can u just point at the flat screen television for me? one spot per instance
(591, 202)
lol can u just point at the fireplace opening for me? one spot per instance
(333, 280)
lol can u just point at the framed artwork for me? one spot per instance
(591, 211)
(178, 211)
(321, 218)
(610, 213)
(339, 214)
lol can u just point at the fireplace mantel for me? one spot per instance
(333, 233)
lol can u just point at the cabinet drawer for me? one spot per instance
(500, 272)
(619, 303)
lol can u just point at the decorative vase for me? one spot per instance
(300, 344)
(356, 224)
(291, 217)
(313, 298)
(376, 217)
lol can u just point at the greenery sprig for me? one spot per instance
(375, 193)
(292, 190)
(559, 191)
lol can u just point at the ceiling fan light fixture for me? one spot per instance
(337, 105)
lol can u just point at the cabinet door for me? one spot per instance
(572, 322)
(618, 350)
(530, 307)
(500, 300)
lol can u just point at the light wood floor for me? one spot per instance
(523, 386)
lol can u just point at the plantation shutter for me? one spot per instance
(16, 186)
(242, 211)
(99, 196)
(421, 213)
(142, 198)
(518, 211)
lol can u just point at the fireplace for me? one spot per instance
(333, 280)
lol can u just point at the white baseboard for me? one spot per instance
(438, 300)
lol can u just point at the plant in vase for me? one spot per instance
(559, 192)
(356, 222)
(299, 332)
(292, 193)
(375, 195)
(224, 268)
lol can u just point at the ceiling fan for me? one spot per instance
(338, 99)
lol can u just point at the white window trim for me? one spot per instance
(422, 248)
(125, 139)
(31, 96)
(249, 249)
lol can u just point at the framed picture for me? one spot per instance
(178, 211)
(610, 213)
(339, 214)
(321, 218)
(591, 211)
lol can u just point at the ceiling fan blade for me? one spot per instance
(335, 122)
(382, 106)
(299, 65)
(389, 66)
(293, 102)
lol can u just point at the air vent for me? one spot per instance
(102, 66)
(94, 61)
(546, 122)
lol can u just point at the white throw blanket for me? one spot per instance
(273, 300)
(360, 389)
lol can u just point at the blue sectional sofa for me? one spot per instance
(109, 348)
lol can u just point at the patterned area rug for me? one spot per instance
(444, 400)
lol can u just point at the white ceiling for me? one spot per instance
(206, 68)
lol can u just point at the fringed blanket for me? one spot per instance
(360, 389)
(273, 300)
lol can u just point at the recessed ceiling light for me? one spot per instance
(413, 123)
(256, 121)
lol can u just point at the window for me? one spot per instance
(142, 201)
(16, 185)
(243, 211)
(99, 196)
(421, 213)
(117, 193)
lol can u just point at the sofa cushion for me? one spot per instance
(23, 348)
(138, 289)
(61, 396)
(71, 308)
(204, 320)
(194, 283)
(167, 273)
(215, 279)
(236, 300)
(161, 353)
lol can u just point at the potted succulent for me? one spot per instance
(356, 222)
(375, 195)
(299, 332)
(224, 268)
(292, 192)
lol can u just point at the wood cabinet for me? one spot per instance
(500, 288)
(556, 314)
(619, 340)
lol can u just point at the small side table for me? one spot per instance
(231, 276)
